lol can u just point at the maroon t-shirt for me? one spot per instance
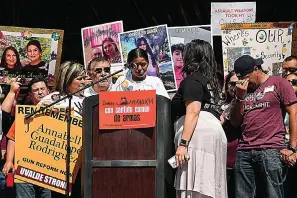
(263, 125)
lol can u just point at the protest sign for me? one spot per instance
(102, 41)
(29, 52)
(269, 41)
(179, 37)
(127, 110)
(154, 40)
(41, 147)
(235, 12)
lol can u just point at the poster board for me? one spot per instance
(155, 41)
(30, 52)
(41, 156)
(270, 41)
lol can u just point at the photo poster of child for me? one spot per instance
(179, 37)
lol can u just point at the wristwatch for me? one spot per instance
(184, 143)
(294, 150)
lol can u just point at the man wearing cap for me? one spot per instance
(289, 66)
(259, 106)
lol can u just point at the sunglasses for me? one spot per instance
(293, 82)
(289, 70)
(105, 69)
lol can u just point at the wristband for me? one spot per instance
(184, 143)
(294, 150)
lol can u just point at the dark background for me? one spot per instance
(72, 15)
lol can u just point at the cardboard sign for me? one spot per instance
(270, 41)
(41, 147)
(127, 110)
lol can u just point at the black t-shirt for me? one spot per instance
(194, 87)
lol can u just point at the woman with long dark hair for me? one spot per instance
(137, 78)
(111, 51)
(153, 68)
(199, 137)
(10, 59)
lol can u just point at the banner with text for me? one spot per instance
(269, 41)
(41, 147)
(236, 12)
(127, 110)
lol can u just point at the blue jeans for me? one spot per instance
(259, 173)
(27, 190)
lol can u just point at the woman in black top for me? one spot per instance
(199, 136)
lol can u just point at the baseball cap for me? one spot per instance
(245, 65)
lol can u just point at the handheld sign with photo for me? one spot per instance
(127, 110)
(29, 52)
(41, 147)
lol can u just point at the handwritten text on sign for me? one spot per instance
(125, 110)
(236, 12)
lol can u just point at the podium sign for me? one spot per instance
(127, 110)
(41, 147)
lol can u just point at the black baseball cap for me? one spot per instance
(245, 65)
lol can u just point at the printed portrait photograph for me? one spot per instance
(102, 41)
(29, 52)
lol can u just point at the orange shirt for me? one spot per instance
(11, 132)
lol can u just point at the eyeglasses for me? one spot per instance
(293, 82)
(105, 69)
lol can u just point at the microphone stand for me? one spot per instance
(69, 96)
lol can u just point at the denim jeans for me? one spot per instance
(27, 190)
(259, 173)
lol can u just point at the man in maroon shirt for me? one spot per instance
(260, 104)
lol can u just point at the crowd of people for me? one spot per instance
(234, 136)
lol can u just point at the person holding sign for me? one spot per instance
(136, 78)
(258, 108)
(199, 136)
(38, 89)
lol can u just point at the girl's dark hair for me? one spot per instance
(110, 40)
(3, 58)
(35, 43)
(148, 48)
(179, 47)
(136, 53)
(199, 57)
(228, 77)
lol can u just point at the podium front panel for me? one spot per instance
(127, 163)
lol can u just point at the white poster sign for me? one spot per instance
(269, 41)
(236, 12)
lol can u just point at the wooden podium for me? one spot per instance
(127, 163)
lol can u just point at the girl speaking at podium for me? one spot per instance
(136, 78)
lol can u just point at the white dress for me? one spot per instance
(204, 175)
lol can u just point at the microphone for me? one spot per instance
(130, 66)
